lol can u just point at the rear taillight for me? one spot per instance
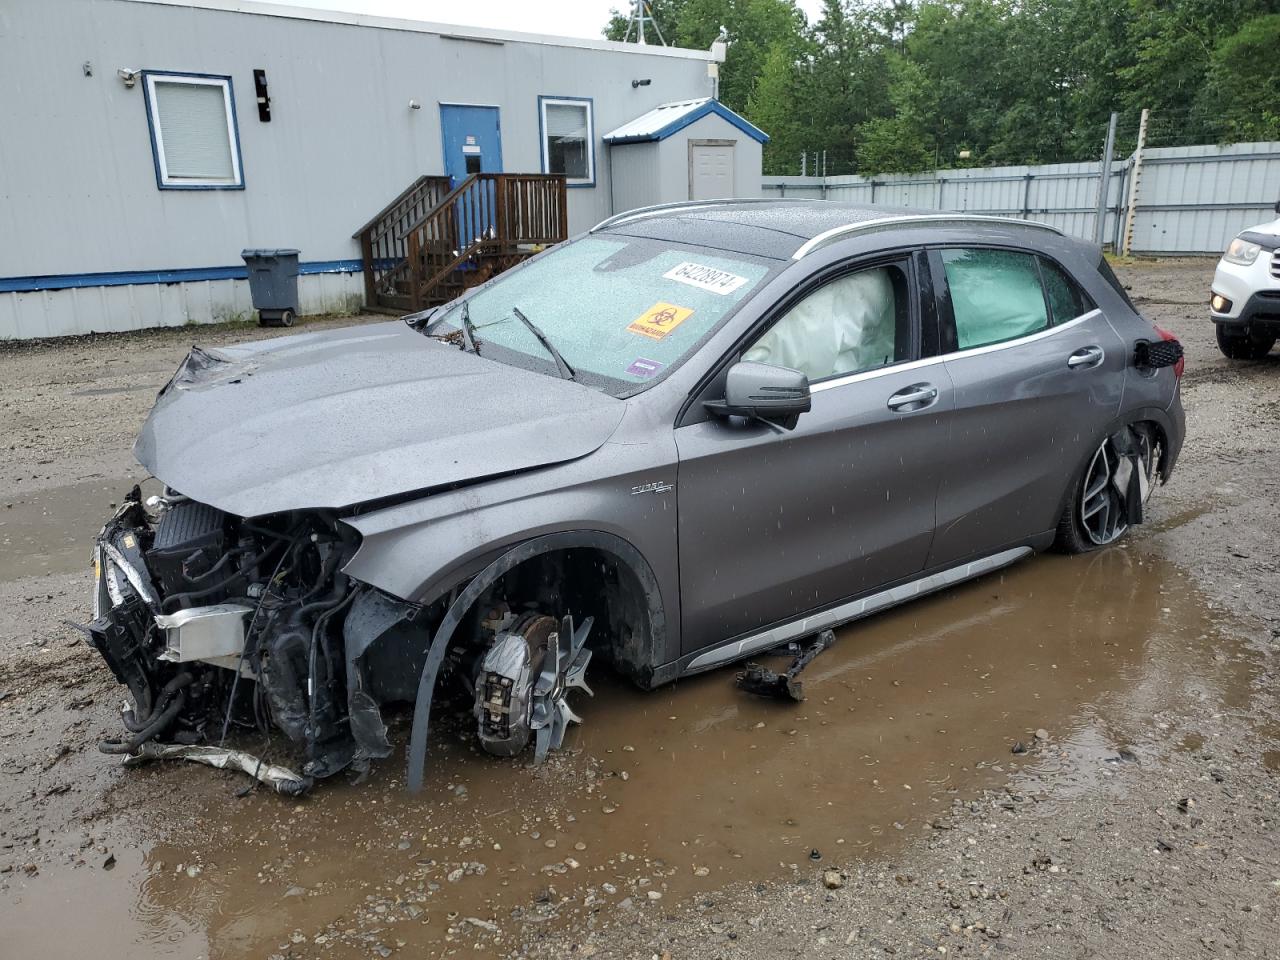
(1182, 361)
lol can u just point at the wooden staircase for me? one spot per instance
(431, 243)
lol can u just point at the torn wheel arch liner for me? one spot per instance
(521, 553)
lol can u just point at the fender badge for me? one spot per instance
(657, 486)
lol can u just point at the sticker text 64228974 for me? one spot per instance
(705, 278)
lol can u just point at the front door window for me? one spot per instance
(851, 324)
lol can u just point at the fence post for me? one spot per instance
(1135, 179)
(1104, 181)
(1026, 195)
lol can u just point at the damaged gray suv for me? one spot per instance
(694, 434)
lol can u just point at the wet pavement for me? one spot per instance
(665, 795)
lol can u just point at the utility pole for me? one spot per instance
(1135, 178)
(1104, 181)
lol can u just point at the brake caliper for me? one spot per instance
(523, 683)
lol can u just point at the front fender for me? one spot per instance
(419, 551)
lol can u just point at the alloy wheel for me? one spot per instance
(1102, 510)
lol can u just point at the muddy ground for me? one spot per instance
(891, 814)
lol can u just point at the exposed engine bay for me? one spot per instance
(217, 623)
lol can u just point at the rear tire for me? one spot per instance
(1244, 346)
(1094, 514)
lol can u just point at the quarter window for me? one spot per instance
(568, 139)
(1066, 300)
(854, 323)
(193, 132)
(995, 296)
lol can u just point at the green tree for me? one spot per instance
(847, 82)
(1238, 99)
(883, 85)
(1173, 43)
(771, 107)
(902, 142)
(753, 28)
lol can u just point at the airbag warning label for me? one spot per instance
(705, 278)
(659, 320)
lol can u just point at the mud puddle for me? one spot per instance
(664, 795)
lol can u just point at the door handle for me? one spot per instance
(915, 397)
(1085, 357)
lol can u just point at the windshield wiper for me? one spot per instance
(468, 330)
(423, 322)
(562, 365)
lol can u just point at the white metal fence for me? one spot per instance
(1190, 199)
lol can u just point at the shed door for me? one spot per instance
(710, 169)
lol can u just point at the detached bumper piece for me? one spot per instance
(281, 779)
(213, 621)
(763, 682)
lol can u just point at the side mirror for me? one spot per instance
(761, 391)
(1277, 206)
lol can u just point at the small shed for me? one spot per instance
(684, 150)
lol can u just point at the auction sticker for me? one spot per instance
(640, 367)
(705, 278)
(659, 320)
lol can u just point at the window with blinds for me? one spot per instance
(193, 132)
(568, 139)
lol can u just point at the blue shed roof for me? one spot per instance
(661, 122)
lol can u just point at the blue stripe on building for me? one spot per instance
(124, 278)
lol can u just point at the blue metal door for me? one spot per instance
(472, 140)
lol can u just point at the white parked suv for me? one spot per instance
(1245, 300)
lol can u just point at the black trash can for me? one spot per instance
(273, 284)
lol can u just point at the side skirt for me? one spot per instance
(846, 612)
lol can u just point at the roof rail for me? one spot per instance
(835, 233)
(639, 213)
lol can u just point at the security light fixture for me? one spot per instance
(262, 95)
(129, 76)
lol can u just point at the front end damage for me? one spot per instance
(216, 623)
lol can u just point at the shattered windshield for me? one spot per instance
(621, 311)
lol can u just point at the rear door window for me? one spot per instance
(1066, 300)
(995, 295)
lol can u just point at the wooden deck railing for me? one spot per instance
(486, 223)
(382, 239)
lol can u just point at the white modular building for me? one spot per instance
(145, 143)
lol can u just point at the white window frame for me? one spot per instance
(163, 179)
(589, 105)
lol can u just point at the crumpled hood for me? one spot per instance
(347, 416)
